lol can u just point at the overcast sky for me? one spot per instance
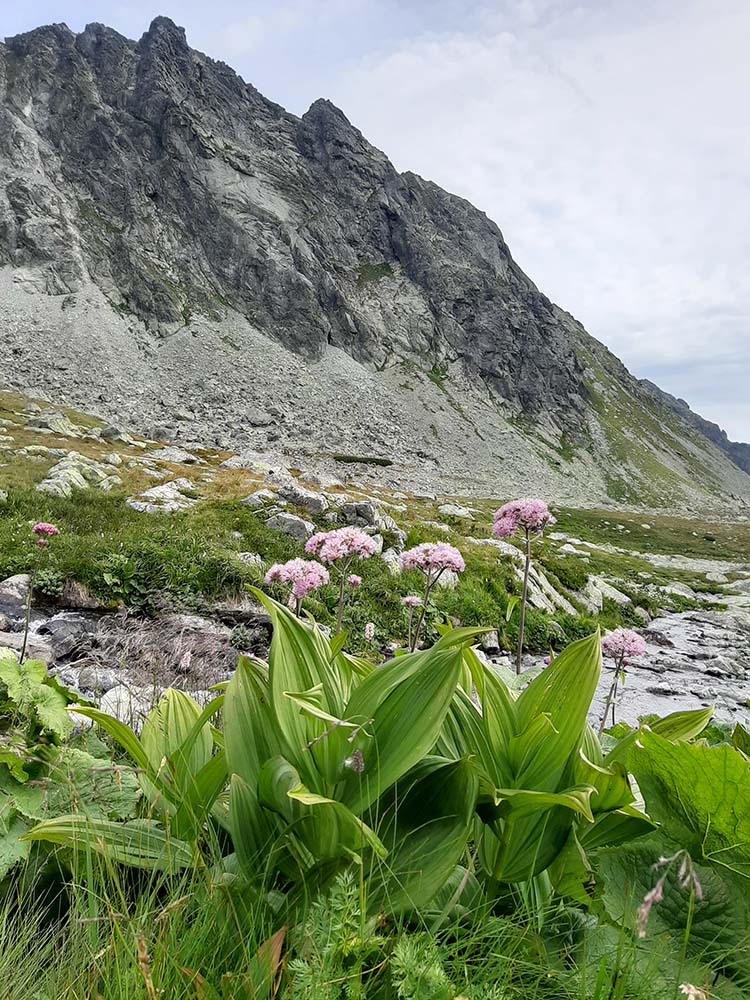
(609, 139)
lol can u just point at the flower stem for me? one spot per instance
(340, 613)
(27, 619)
(420, 621)
(524, 595)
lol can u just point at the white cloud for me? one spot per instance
(614, 153)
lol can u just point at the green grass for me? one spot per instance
(369, 273)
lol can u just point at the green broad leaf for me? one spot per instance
(27, 686)
(611, 785)
(175, 719)
(276, 778)
(13, 850)
(308, 701)
(199, 794)
(615, 828)
(249, 726)
(683, 725)
(524, 801)
(571, 873)
(424, 822)
(252, 829)
(328, 828)
(741, 739)
(720, 921)
(526, 842)
(15, 762)
(122, 734)
(75, 780)
(137, 843)
(402, 707)
(300, 660)
(700, 795)
(563, 693)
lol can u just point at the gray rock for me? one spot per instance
(76, 472)
(307, 500)
(175, 455)
(54, 422)
(14, 593)
(3, 496)
(36, 647)
(390, 558)
(290, 524)
(164, 499)
(456, 510)
(259, 499)
(69, 634)
(97, 679)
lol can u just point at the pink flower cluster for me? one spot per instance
(432, 558)
(341, 543)
(353, 580)
(623, 643)
(521, 515)
(304, 576)
(44, 532)
(370, 631)
(411, 601)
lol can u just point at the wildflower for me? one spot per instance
(342, 543)
(527, 517)
(303, 575)
(370, 631)
(654, 895)
(687, 878)
(620, 645)
(411, 601)
(338, 549)
(356, 762)
(432, 559)
(692, 992)
(44, 529)
(353, 580)
(623, 642)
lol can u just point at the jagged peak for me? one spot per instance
(58, 32)
(164, 29)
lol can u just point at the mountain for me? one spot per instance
(182, 255)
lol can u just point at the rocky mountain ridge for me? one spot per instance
(180, 253)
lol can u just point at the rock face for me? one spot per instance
(179, 252)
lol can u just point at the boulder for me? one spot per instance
(69, 634)
(259, 499)
(290, 524)
(14, 592)
(36, 647)
(456, 510)
(164, 499)
(76, 472)
(178, 456)
(54, 422)
(307, 500)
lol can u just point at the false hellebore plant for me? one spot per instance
(528, 518)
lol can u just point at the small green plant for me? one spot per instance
(49, 582)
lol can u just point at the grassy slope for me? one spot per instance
(186, 559)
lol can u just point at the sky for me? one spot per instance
(609, 140)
